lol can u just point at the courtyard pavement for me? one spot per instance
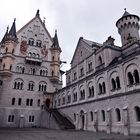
(45, 134)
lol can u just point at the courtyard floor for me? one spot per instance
(45, 134)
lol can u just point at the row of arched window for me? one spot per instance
(42, 72)
(29, 102)
(19, 85)
(34, 55)
(32, 42)
(117, 112)
(10, 67)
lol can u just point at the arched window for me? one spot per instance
(13, 101)
(3, 66)
(103, 115)
(100, 60)
(118, 82)
(40, 72)
(6, 50)
(100, 89)
(118, 115)
(13, 51)
(113, 84)
(136, 76)
(89, 89)
(23, 69)
(137, 112)
(31, 86)
(38, 102)
(130, 78)
(10, 67)
(91, 115)
(92, 89)
(104, 88)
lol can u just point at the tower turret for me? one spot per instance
(128, 27)
(9, 43)
(55, 65)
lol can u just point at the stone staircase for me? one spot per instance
(63, 121)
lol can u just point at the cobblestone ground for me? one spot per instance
(45, 134)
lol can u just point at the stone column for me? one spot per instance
(96, 120)
(108, 127)
(126, 121)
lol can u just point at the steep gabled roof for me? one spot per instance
(12, 31)
(36, 16)
(4, 37)
(89, 43)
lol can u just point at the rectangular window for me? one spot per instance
(89, 66)
(38, 102)
(19, 101)
(81, 71)
(75, 76)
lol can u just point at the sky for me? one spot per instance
(92, 19)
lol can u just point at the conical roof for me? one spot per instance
(55, 39)
(4, 37)
(12, 31)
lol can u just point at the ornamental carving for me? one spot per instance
(23, 47)
(44, 51)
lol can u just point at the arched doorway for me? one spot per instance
(82, 118)
(48, 103)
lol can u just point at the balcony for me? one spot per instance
(5, 72)
(33, 60)
(54, 78)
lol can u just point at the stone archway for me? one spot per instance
(47, 103)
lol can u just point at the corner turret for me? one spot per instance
(128, 27)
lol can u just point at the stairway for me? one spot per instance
(63, 122)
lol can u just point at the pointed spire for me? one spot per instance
(4, 37)
(56, 42)
(37, 13)
(125, 13)
(12, 32)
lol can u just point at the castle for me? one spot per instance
(102, 87)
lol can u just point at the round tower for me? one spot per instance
(9, 41)
(128, 27)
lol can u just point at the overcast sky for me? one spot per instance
(92, 19)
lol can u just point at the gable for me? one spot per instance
(83, 50)
(34, 30)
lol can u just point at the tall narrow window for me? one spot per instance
(104, 88)
(13, 101)
(136, 76)
(118, 115)
(100, 60)
(103, 115)
(113, 84)
(91, 116)
(19, 101)
(118, 82)
(137, 112)
(100, 89)
(38, 102)
(130, 78)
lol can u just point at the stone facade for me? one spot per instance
(29, 73)
(103, 84)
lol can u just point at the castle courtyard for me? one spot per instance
(45, 134)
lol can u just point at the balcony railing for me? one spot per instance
(33, 60)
